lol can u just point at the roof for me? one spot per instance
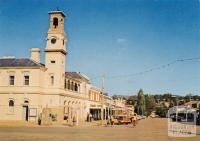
(95, 88)
(57, 12)
(19, 62)
(76, 75)
(192, 102)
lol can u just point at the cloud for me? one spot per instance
(121, 40)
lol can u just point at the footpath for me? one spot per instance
(34, 124)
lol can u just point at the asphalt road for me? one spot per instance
(146, 130)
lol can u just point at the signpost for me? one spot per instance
(33, 112)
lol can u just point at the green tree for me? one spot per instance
(141, 102)
(150, 104)
(188, 97)
(161, 111)
(132, 100)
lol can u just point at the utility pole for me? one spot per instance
(102, 99)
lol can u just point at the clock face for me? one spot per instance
(53, 40)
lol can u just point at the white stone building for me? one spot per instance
(29, 88)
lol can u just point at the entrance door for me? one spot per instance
(25, 113)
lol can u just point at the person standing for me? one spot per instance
(134, 120)
(66, 117)
(111, 121)
(108, 120)
(90, 116)
(74, 121)
(40, 119)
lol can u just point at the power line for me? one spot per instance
(150, 70)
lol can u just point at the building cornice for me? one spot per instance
(42, 68)
(56, 50)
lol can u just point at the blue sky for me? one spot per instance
(114, 37)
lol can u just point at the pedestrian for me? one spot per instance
(40, 119)
(90, 117)
(108, 121)
(134, 120)
(74, 121)
(66, 117)
(111, 121)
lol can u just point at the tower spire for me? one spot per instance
(55, 50)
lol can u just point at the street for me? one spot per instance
(146, 130)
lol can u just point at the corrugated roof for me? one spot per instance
(19, 62)
(75, 75)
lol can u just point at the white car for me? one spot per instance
(139, 117)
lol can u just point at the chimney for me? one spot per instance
(35, 54)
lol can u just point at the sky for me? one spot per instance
(114, 38)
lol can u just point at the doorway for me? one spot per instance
(25, 113)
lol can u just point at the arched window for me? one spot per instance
(68, 84)
(65, 81)
(55, 22)
(11, 106)
(26, 101)
(11, 103)
(72, 86)
(76, 87)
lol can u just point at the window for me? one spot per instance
(12, 80)
(52, 80)
(76, 87)
(68, 84)
(26, 101)
(11, 106)
(53, 61)
(55, 22)
(65, 84)
(26, 80)
(72, 86)
(53, 41)
(11, 103)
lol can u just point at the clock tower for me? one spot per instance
(55, 50)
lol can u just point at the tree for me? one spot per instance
(141, 102)
(132, 100)
(188, 97)
(161, 111)
(150, 104)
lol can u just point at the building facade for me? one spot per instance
(95, 102)
(30, 90)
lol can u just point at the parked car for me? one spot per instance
(143, 117)
(176, 118)
(139, 117)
